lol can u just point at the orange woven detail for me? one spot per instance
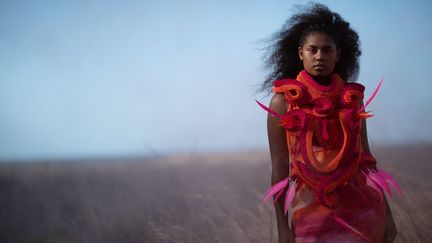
(323, 107)
(354, 164)
(285, 88)
(329, 135)
(334, 130)
(332, 91)
(352, 97)
(332, 164)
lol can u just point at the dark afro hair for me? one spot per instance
(281, 55)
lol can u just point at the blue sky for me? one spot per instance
(127, 78)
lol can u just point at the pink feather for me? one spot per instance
(372, 96)
(275, 189)
(274, 113)
(276, 185)
(381, 181)
(289, 197)
(390, 179)
(278, 196)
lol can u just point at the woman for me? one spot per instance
(321, 163)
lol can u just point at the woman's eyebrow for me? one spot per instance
(322, 47)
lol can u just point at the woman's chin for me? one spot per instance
(321, 73)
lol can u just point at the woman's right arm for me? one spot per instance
(280, 163)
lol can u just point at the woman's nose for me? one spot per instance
(319, 55)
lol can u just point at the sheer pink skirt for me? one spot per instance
(360, 215)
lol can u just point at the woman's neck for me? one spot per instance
(325, 81)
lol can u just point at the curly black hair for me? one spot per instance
(281, 55)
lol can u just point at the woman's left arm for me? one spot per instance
(390, 232)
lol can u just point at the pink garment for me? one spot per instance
(360, 207)
(334, 187)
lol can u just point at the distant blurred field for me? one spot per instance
(182, 198)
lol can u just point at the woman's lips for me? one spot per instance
(319, 67)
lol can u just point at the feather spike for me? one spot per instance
(274, 113)
(372, 96)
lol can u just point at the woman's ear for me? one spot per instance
(338, 54)
(300, 52)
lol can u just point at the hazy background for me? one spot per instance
(85, 79)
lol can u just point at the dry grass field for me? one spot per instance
(183, 198)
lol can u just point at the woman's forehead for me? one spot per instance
(319, 39)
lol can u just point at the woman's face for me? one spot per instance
(319, 54)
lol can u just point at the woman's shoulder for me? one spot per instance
(278, 103)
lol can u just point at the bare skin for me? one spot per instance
(319, 55)
(391, 232)
(280, 163)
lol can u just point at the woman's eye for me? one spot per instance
(329, 50)
(313, 50)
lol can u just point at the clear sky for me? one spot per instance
(127, 78)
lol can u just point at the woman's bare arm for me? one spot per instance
(280, 163)
(391, 232)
